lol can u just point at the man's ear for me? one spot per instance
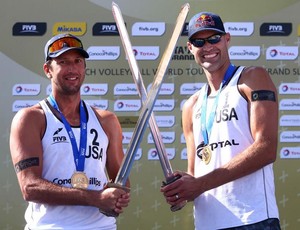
(227, 37)
(190, 47)
(47, 70)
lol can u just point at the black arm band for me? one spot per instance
(24, 164)
(263, 95)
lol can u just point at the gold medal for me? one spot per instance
(206, 154)
(79, 180)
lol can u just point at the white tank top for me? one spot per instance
(247, 200)
(58, 167)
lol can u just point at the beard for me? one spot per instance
(68, 89)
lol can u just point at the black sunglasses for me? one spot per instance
(199, 42)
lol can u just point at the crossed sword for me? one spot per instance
(148, 104)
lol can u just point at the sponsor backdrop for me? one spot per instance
(263, 33)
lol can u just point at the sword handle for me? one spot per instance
(179, 206)
(170, 180)
(112, 213)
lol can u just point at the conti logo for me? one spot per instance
(75, 28)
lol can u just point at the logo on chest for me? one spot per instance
(94, 149)
(56, 138)
(226, 114)
(213, 146)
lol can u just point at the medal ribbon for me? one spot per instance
(206, 127)
(79, 154)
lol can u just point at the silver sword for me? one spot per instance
(147, 108)
(163, 157)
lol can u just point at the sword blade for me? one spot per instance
(150, 100)
(137, 77)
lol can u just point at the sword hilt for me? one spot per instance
(170, 180)
(112, 213)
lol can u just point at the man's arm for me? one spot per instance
(263, 118)
(263, 114)
(27, 129)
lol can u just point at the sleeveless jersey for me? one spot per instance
(59, 166)
(247, 200)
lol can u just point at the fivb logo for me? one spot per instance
(29, 28)
(57, 138)
(105, 29)
(275, 29)
(109, 28)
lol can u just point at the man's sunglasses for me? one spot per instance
(64, 42)
(199, 42)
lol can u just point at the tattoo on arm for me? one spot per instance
(24, 164)
(263, 95)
